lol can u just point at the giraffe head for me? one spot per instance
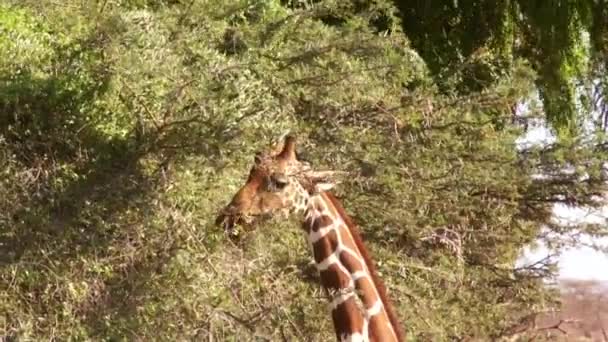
(278, 182)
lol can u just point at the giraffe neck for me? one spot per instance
(359, 307)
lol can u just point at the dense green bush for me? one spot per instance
(126, 125)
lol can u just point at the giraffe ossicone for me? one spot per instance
(278, 183)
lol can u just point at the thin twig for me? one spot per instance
(557, 326)
(141, 103)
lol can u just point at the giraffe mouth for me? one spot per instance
(230, 221)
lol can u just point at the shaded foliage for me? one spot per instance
(485, 37)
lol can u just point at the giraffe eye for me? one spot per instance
(277, 182)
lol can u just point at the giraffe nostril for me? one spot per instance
(220, 220)
(229, 225)
(225, 221)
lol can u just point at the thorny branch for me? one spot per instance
(449, 238)
(557, 326)
(528, 325)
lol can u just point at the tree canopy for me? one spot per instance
(565, 42)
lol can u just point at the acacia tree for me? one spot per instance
(564, 41)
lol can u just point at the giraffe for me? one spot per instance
(281, 183)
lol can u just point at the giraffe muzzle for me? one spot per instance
(229, 220)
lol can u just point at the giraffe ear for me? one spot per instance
(282, 143)
(289, 148)
(257, 159)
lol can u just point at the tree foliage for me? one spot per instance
(564, 42)
(126, 125)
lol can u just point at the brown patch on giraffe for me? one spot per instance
(321, 222)
(378, 332)
(354, 232)
(347, 239)
(307, 224)
(347, 318)
(333, 278)
(325, 247)
(351, 262)
(367, 294)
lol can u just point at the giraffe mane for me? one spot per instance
(354, 232)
